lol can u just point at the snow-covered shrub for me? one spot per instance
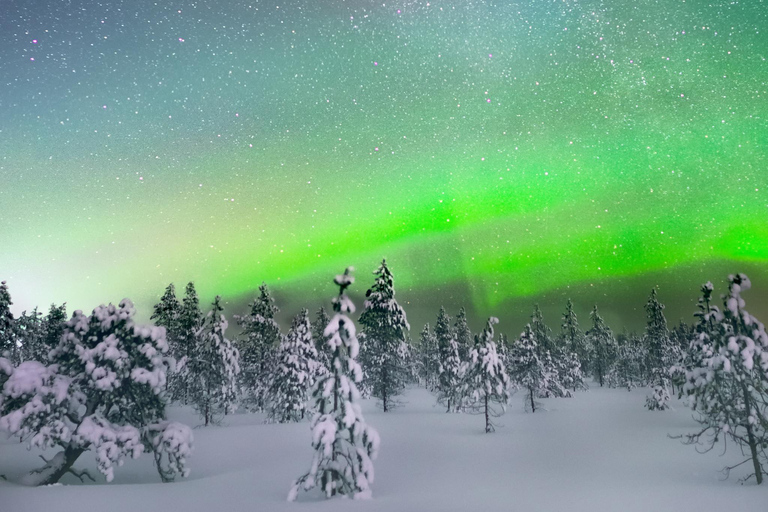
(345, 446)
(101, 392)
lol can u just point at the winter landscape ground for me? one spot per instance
(598, 451)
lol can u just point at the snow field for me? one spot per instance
(600, 451)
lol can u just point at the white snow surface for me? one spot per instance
(596, 452)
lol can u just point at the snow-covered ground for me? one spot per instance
(599, 451)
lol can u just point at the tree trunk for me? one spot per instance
(533, 402)
(487, 419)
(751, 437)
(56, 468)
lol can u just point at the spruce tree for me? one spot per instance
(258, 343)
(603, 345)
(430, 358)
(573, 337)
(53, 327)
(728, 386)
(486, 378)
(661, 356)
(321, 341)
(385, 327)
(167, 314)
(294, 374)
(628, 367)
(7, 324)
(463, 334)
(450, 365)
(344, 445)
(557, 364)
(190, 322)
(527, 370)
(29, 335)
(214, 368)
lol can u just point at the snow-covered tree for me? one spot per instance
(190, 322)
(214, 367)
(320, 340)
(7, 324)
(485, 377)
(258, 344)
(101, 393)
(628, 368)
(527, 370)
(728, 387)
(430, 358)
(661, 355)
(450, 392)
(295, 373)
(385, 326)
(345, 446)
(603, 344)
(53, 327)
(462, 333)
(29, 337)
(573, 338)
(166, 314)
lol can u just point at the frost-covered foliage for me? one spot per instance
(727, 384)
(102, 393)
(320, 341)
(451, 368)
(386, 355)
(530, 369)
(429, 358)
(7, 334)
(573, 338)
(29, 337)
(257, 343)
(558, 361)
(661, 354)
(190, 320)
(486, 379)
(463, 334)
(214, 369)
(172, 444)
(345, 446)
(628, 368)
(603, 344)
(295, 373)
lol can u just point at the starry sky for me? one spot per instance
(497, 153)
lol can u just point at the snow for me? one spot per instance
(598, 451)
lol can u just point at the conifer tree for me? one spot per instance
(294, 374)
(573, 337)
(345, 446)
(451, 367)
(628, 366)
(258, 343)
(101, 393)
(29, 336)
(167, 314)
(53, 327)
(486, 378)
(728, 386)
(557, 364)
(385, 327)
(603, 346)
(527, 370)
(214, 368)
(661, 356)
(430, 358)
(7, 324)
(463, 334)
(190, 322)
(321, 341)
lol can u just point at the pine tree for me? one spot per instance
(728, 387)
(321, 341)
(53, 327)
(295, 373)
(167, 314)
(451, 367)
(486, 378)
(462, 334)
(214, 368)
(29, 337)
(628, 368)
(603, 346)
(573, 337)
(430, 358)
(385, 327)
(102, 393)
(7, 324)
(258, 343)
(190, 322)
(660, 354)
(527, 370)
(557, 364)
(344, 444)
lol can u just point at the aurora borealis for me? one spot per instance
(496, 152)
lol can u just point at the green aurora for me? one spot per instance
(509, 152)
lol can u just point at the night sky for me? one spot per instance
(497, 153)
